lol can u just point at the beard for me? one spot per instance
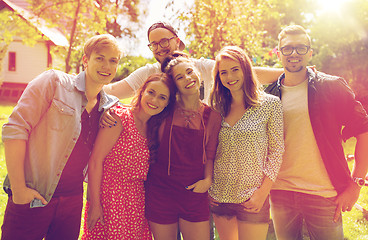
(297, 69)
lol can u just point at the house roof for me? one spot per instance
(21, 3)
(52, 34)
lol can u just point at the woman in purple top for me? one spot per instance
(182, 155)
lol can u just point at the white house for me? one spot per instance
(21, 62)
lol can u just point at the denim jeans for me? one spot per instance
(289, 209)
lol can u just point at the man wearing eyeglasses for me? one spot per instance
(320, 111)
(163, 41)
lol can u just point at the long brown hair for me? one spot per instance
(155, 121)
(220, 98)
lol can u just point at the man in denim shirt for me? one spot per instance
(320, 111)
(47, 142)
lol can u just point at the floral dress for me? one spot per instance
(122, 191)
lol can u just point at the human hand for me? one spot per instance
(26, 195)
(255, 203)
(107, 119)
(346, 200)
(314, 69)
(213, 202)
(95, 213)
(201, 186)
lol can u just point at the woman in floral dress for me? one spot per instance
(119, 164)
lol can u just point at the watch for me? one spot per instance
(359, 181)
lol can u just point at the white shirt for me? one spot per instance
(204, 66)
(302, 169)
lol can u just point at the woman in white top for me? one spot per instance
(250, 148)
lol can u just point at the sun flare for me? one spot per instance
(331, 5)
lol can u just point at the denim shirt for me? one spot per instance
(335, 116)
(48, 117)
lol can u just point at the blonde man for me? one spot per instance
(48, 140)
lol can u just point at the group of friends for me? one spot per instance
(170, 161)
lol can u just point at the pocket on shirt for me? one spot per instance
(59, 115)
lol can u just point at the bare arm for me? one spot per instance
(119, 89)
(346, 200)
(105, 141)
(361, 156)
(268, 75)
(255, 203)
(15, 151)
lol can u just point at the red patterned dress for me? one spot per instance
(122, 191)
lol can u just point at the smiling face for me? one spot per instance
(231, 74)
(186, 78)
(156, 36)
(155, 98)
(102, 65)
(295, 62)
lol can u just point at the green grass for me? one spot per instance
(355, 223)
(5, 110)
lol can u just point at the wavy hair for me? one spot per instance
(220, 98)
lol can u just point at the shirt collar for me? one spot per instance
(311, 75)
(106, 101)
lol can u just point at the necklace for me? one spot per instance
(188, 115)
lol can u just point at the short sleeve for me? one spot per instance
(139, 76)
(123, 113)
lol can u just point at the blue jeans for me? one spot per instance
(289, 209)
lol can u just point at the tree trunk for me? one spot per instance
(71, 40)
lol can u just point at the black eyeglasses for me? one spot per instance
(288, 50)
(164, 43)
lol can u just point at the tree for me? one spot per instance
(212, 24)
(341, 45)
(216, 23)
(339, 40)
(81, 19)
(13, 25)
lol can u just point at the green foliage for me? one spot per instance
(341, 45)
(216, 23)
(339, 39)
(13, 25)
(128, 64)
(81, 19)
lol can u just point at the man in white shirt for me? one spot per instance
(163, 41)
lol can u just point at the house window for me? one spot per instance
(12, 61)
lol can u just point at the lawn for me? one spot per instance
(355, 222)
